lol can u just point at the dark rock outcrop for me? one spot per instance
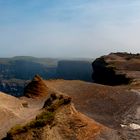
(116, 69)
(104, 74)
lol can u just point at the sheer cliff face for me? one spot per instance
(116, 69)
(15, 72)
(25, 70)
(74, 70)
(13, 87)
(20, 69)
(14, 75)
(105, 74)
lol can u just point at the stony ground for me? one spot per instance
(116, 107)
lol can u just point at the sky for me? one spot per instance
(69, 28)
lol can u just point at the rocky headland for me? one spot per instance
(117, 69)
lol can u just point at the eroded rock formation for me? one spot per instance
(36, 88)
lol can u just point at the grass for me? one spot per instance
(58, 103)
(41, 120)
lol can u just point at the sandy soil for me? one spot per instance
(16, 111)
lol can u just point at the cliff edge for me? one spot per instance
(117, 69)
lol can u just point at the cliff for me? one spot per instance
(14, 87)
(116, 69)
(21, 69)
(74, 70)
(109, 112)
(16, 72)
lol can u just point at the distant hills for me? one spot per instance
(49, 61)
(15, 72)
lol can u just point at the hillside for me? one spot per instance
(49, 113)
(110, 106)
(50, 116)
(58, 120)
(111, 109)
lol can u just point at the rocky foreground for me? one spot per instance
(49, 117)
(77, 110)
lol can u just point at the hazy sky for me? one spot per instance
(69, 28)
